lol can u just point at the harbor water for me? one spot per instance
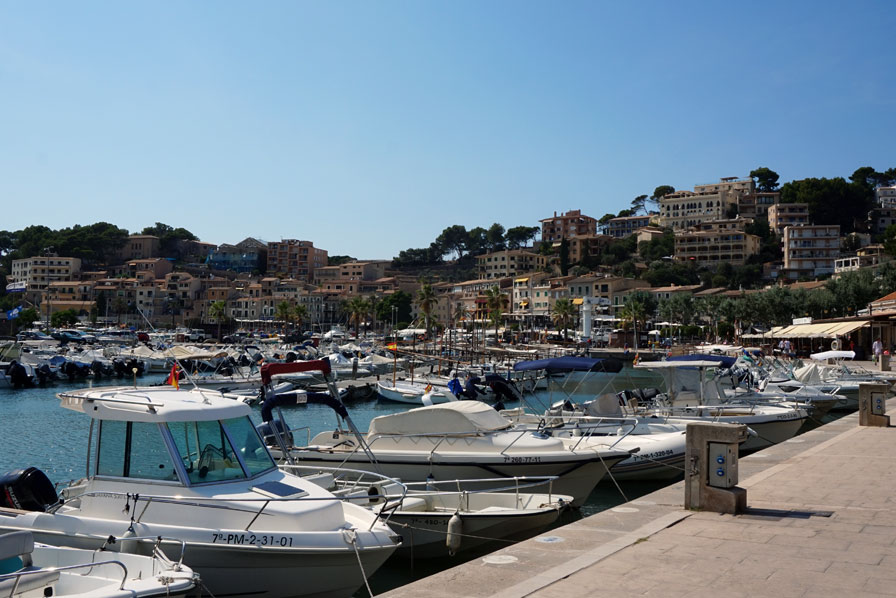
(37, 432)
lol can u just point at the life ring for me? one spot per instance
(835, 344)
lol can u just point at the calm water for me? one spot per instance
(36, 431)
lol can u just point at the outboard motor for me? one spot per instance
(290, 357)
(28, 489)
(266, 431)
(97, 368)
(18, 375)
(44, 374)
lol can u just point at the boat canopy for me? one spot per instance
(455, 418)
(156, 404)
(570, 364)
(723, 360)
(833, 355)
(299, 398)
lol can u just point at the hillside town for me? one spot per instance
(693, 245)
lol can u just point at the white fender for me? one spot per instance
(835, 344)
(455, 531)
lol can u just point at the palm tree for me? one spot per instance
(496, 301)
(426, 301)
(634, 311)
(283, 312)
(217, 310)
(562, 312)
(356, 309)
(299, 313)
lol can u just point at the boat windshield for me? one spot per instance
(209, 449)
(133, 450)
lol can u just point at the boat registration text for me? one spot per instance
(249, 539)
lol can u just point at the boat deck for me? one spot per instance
(821, 522)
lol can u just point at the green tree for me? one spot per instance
(299, 314)
(494, 237)
(357, 309)
(496, 302)
(662, 191)
(217, 311)
(520, 236)
(338, 260)
(476, 240)
(454, 238)
(401, 302)
(170, 239)
(766, 179)
(564, 257)
(283, 312)
(66, 317)
(27, 317)
(831, 201)
(562, 313)
(426, 302)
(658, 247)
(634, 312)
(638, 203)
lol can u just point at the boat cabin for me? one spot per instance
(161, 435)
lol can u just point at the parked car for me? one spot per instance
(33, 335)
(73, 336)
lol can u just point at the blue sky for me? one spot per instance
(368, 127)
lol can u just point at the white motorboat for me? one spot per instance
(412, 393)
(690, 397)
(435, 519)
(457, 441)
(584, 378)
(189, 464)
(30, 570)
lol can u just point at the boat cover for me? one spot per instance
(723, 360)
(456, 418)
(833, 355)
(569, 364)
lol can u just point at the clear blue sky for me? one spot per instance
(368, 127)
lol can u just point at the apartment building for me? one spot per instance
(295, 259)
(585, 246)
(349, 276)
(713, 246)
(249, 255)
(783, 215)
(509, 263)
(614, 290)
(566, 226)
(810, 250)
(627, 225)
(886, 197)
(881, 218)
(523, 294)
(756, 205)
(140, 247)
(714, 201)
(38, 272)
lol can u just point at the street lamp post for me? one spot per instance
(47, 252)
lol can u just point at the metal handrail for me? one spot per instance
(18, 575)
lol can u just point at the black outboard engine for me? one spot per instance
(28, 489)
(18, 375)
(44, 374)
(97, 368)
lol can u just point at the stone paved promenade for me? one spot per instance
(821, 522)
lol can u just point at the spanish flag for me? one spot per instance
(392, 346)
(172, 377)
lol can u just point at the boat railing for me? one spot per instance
(211, 502)
(157, 548)
(37, 573)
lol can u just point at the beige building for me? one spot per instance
(810, 250)
(38, 272)
(716, 201)
(613, 290)
(783, 215)
(715, 246)
(508, 263)
(348, 276)
(566, 226)
(584, 247)
(627, 225)
(295, 259)
(886, 197)
(140, 247)
(881, 218)
(756, 205)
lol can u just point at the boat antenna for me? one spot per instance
(169, 351)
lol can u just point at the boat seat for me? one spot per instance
(15, 553)
(604, 406)
(411, 503)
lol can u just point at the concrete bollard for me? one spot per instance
(884, 362)
(711, 456)
(873, 404)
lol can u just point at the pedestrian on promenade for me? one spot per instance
(877, 348)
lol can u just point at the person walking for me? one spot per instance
(877, 348)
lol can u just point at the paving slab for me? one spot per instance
(821, 522)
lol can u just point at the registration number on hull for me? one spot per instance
(252, 539)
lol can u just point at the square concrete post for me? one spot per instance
(884, 363)
(710, 479)
(873, 404)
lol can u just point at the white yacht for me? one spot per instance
(461, 440)
(32, 570)
(190, 465)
